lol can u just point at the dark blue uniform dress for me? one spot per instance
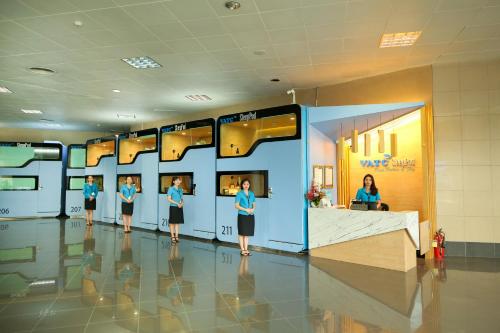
(176, 213)
(246, 221)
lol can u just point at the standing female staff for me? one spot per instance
(174, 196)
(90, 192)
(128, 193)
(245, 204)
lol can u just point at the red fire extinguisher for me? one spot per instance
(438, 244)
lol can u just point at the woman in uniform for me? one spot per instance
(245, 204)
(369, 192)
(90, 192)
(128, 193)
(174, 196)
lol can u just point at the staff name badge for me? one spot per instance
(93, 194)
(129, 197)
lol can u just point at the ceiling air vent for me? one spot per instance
(198, 98)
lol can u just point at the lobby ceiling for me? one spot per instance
(206, 49)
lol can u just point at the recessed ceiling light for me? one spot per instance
(259, 52)
(78, 23)
(142, 62)
(196, 98)
(41, 70)
(125, 116)
(32, 111)
(116, 90)
(233, 5)
(399, 39)
(275, 80)
(5, 90)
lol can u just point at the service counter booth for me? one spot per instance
(138, 158)
(268, 147)
(30, 179)
(75, 179)
(389, 142)
(101, 164)
(188, 151)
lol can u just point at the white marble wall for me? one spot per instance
(331, 226)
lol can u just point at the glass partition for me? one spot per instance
(228, 182)
(18, 183)
(177, 139)
(17, 154)
(18, 255)
(76, 183)
(98, 180)
(76, 156)
(239, 134)
(99, 148)
(130, 145)
(187, 184)
(122, 179)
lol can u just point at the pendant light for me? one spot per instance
(354, 138)
(381, 137)
(394, 141)
(340, 153)
(368, 141)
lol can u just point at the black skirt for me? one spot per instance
(127, 208)
(90, 205)
(176, 215)
(246, 225)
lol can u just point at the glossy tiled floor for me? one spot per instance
(63, 277)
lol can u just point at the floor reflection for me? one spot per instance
(67, 277)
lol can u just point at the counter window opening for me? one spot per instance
(131, 145)
(99, 148)
(122, 180)
(239, 134)
(229, 182)
(76, 183)
(76, 156)
(98, 180)
(187, 184)
(177, 139)
(19, 155)
(18, 183)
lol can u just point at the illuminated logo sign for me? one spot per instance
(248, 116)
(132, 135)
(389, 163)
(180, 127)
(23, 145)
(227, 120)
(97, 141)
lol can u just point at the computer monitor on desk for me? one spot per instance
(360, 205)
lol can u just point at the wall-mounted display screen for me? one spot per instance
(179, 138)
(75, 183)
(122, 180)
(229, 182)
(76, 156)
(99, 148)
(239, 134)
(130, 145)
(186, 184)
(18, 154)
(18, 183)
(98, 180)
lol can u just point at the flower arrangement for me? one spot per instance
(314, 195)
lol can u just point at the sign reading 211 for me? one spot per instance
(389, 162)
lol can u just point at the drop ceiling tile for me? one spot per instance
(326, 46)
(297, 34)
(150, 14)
(170, 31)
(151, 48)
(191, 9)
(185, 45)
(11, 47)
(361, 10)
(14, 9)
(480, 32)
(205, 27)
(101, 37)
(359, 44)
(131, 2)
(276, 5)
(432, 50)
(264, 52)
(414, 6)
(247, 7)
(251, 38)
(291, 49)
(116, 19)
(92, 4)
(243, 23)
(432, 36)
(450, 5)
(323, 15)
(282, 19)
(73, 41)
(474, 46)
(488, 15)
(221, 42)
(40, 44)
(13, 30)
(452, 19)
(407, 22)
(294, 60)
(51, 7)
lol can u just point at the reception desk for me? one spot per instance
(374, 238)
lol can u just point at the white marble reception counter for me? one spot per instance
(331, 226)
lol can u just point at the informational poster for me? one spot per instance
(318, 175)
(328, 176)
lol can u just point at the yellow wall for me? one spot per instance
(400, 188)
(38, 135)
